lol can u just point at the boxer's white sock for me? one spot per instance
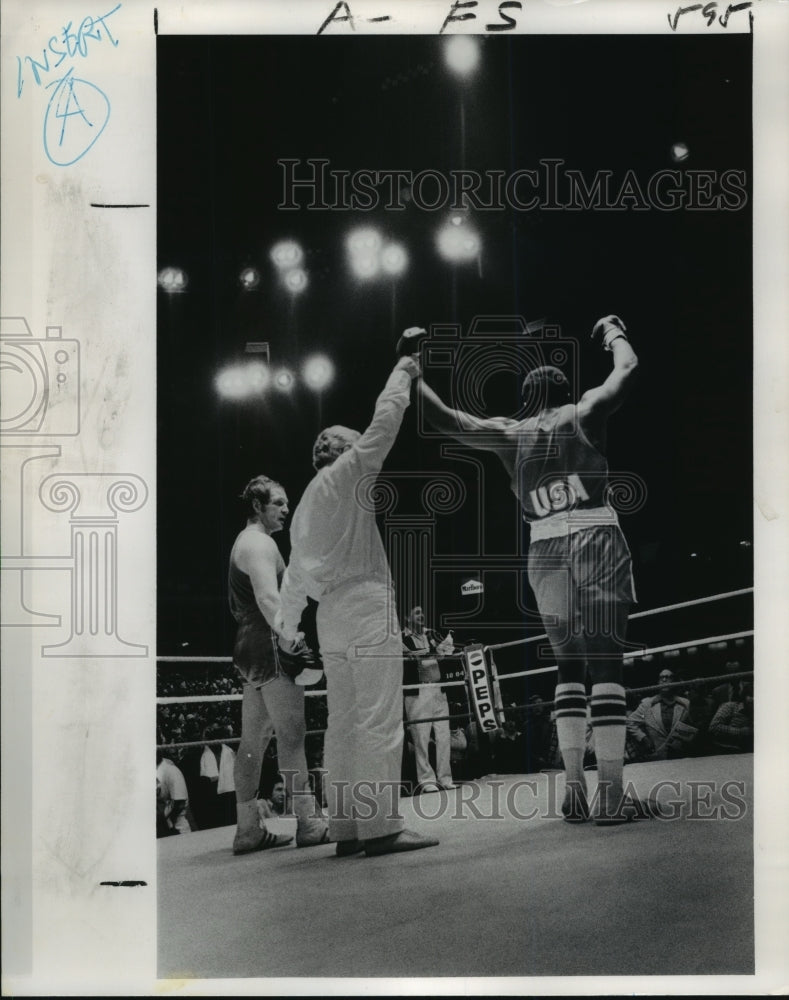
(608, 722)
(570, 706)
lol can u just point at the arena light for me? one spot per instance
(394, 259)
(318, 372)
(249, 278)
(458, 242)
(364, 241)
(172, 280)
(258, 377)
(295, 280)
(365, 267)
(364, 252)
(286, 254)
(284, 380)
(243, 381)
(461, 54)
(232, 382)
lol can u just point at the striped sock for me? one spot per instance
(570, 704)
(608, 721)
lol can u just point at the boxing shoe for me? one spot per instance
(627, 810)
(396, 843)
(249, 835)
(312, 832)
(427, 786)
(575, 808)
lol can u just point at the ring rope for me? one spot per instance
(684, 685)
(644, 652)
(637, 614)
(197, 698)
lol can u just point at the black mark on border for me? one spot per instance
(129, 882)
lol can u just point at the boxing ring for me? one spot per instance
(511, 890)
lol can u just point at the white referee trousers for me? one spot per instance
(362, 656)
(428, 703)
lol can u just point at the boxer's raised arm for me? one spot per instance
(458, 424)
(598, 403)
(376, 442)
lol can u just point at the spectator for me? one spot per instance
(729, 691)
(660, 725)
(422, 646)
(273, 804)
(538, 732)
(731, 729)
(171, 790)
(217, 778)
(163, 828)
(701, 709)
(509, 747)
(480, 751)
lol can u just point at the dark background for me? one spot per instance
(229, 108)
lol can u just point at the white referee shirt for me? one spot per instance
(333, 533)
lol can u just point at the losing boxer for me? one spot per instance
(273, 673)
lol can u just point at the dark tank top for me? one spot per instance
(557, 468)
(241, 597)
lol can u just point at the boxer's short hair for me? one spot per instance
(259, 489)
(547, 386)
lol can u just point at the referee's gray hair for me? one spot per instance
(331, 443)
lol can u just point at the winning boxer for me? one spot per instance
(579, 562)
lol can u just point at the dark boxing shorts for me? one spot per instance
(255, 652)
(581, 573)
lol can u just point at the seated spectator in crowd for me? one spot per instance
(171, 791)
(421, 647)
(701, 709)
(660, 726)
(538, 735)
(479, 757)
(555, 760)
(509, 747)
(217, 779)
(163, 828)
(731, 728)
(729, 691)
(273, 804)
